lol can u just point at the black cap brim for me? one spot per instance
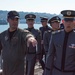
(68, 19)
(12, 17)
(30, 19)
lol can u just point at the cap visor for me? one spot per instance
(68, 19)
(55, 21)
(16, 17)
(30, 18)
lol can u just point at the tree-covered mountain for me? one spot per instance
(3, 15)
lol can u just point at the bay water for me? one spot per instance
(22, 26)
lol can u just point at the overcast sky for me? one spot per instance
(45, 6)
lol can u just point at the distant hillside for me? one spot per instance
(3, 15)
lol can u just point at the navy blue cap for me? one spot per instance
(13, 14)
(68, 15)
(54, 19)
(43, 19)
(30, 17)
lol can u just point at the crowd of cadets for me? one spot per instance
(47, 45)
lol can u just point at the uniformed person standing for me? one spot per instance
(61, 54)
(45, 27)
(35, 54)
(55, 24)
(14, 43)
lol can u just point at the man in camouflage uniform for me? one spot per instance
(14, 45)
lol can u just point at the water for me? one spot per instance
(22, 26)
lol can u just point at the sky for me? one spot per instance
(43, 6)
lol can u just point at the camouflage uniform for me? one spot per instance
(13, 51)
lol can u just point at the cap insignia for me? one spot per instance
(68, 13)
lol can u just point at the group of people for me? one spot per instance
(55, 43)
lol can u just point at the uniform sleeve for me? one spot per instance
(39, 50)
(50, 57)
(45, 42)
(26, 34)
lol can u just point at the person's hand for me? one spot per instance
(31, 40)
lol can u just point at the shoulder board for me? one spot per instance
(49, 30)
(54, 32)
